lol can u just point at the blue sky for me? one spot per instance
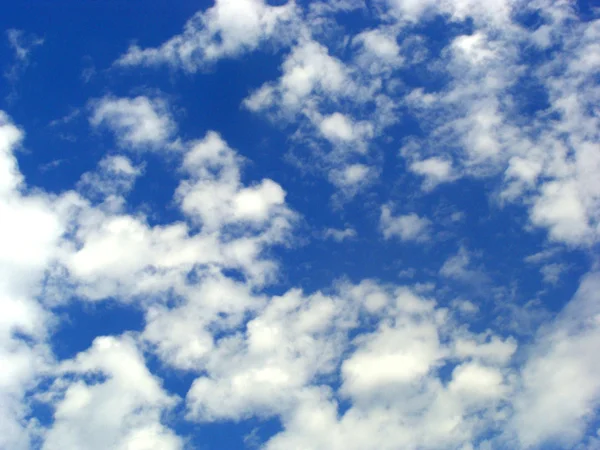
(313, 225)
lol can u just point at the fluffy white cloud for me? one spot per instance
(380, 44)
(137, 123)
(214, 195)
(313, 81)
(264, 370)
(307, 70)
(493, 12)
(351, 177)
(338, 127)
(29, 232)
(408, 227)
(115, 177)
(435, 170)
(391, 379)
(113, 253)
(390, 357)
(259, 355)
(106, 398)
(10, 137)
(227, 29)
(560, 386)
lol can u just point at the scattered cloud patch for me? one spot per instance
(408, 227)
(339, 235)
(21, 43)
(137, 123)
(434, 170)
(225, 30)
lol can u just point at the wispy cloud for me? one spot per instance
(21, 44)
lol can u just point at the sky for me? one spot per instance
(310, 225)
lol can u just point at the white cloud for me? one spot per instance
(137, 123)
(560, 208)
(227, 29)
(214, 195)
(309, 68)
(337, 126)
(10, 137)
(460, 267)
(493, 12)
(478, 122)
(560, 384)
(551, 273)
(116, 254)
(410, 10)
(379, 52)
(349, 178)
(122, 410)
(183, 336)
(391, 356)
(381, 44)
(115, 177)
(339, 235)
(435, 170)
(320, 94)
(265, 370)
(542, 256)
(21, 44)
(29, 231)
(408, 227)
(390, 378)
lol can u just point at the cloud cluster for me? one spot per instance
(83, 243)
(413, 376)
(358, 363)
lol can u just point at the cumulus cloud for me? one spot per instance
(351, 177)
(227, 29)
(435, 170)
(560, 388)
(122, 409)
(214, 195)
(337, 127)
(313, 79)
(29, 233)
(137, 123)
(379, 44)
(307, 70)
(390, 378)
(407, 227)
